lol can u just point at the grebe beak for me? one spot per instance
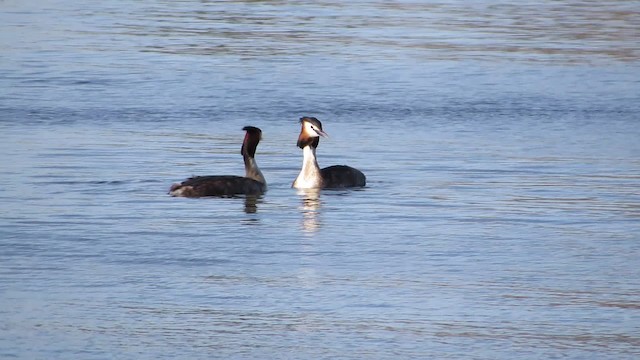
(320, 132)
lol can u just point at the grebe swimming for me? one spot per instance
(253, 183)
(311, 176)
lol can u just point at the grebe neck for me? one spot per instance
(309, 176)
(252, 171)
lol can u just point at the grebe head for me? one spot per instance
(310, 132)
(251, 140)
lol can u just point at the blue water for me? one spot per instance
(500, 142)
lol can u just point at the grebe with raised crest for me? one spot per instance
(311, 176)
(253, 183)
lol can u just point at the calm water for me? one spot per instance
(501, 142)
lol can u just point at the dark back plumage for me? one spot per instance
(217, 185)
(342, 176)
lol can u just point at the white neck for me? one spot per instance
(309, 177)
(252, 171)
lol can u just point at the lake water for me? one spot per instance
(501, 143)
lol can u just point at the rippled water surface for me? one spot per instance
(500, 142)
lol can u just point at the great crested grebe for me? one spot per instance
(253, 183)
(311, 176)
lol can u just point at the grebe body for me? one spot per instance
(311, 176)
(253, 183)
(217, 185)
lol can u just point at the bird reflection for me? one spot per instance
(251, 203)
(310, 209)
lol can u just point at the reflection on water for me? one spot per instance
(251, 203)
(310, 208)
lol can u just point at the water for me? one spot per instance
(500, 142)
